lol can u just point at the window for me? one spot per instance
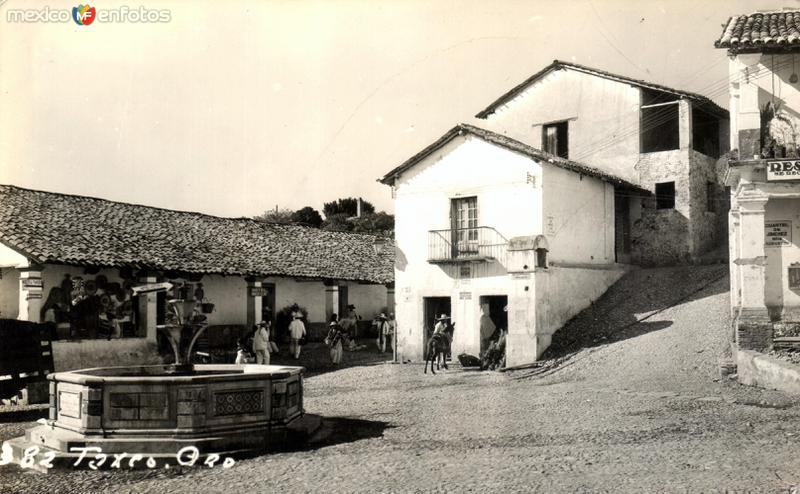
(464, 220)
(711, 197)
(658, 124)
(555, 139)
(665, 195)
(705, 133)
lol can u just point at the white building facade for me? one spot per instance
(485, 220)
(764, 176)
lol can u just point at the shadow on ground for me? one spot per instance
(622, 312)
(336, 430)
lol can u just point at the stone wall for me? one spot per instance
(661, 236)
(707, 229)
(753, 332)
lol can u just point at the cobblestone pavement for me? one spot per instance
(647, 413)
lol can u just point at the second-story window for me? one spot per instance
(658, 124)
(555, 139)
(464, 218)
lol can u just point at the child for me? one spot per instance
(242, 355)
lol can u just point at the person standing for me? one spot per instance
(487, 328)
(261, 344)
(383, 331)
(297, 330)
(334, 340)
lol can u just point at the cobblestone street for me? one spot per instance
(643, 414)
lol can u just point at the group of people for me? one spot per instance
(342, 334)
(264, 343)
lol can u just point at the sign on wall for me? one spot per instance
(465, 295)
(783, 170)
(258, 291)
(777, 233)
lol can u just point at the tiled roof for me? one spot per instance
(560, 65)
(59, 228)
(512, 145)
(779, 29)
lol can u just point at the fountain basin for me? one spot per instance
(157, 411)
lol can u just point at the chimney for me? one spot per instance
(358, 208)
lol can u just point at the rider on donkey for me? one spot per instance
(442, 328)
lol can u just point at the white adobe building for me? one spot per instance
(248, 269)
(481, 218)
(764, 176)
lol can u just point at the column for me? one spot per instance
(685, 124)
(390, 297)
(331, 299)
(148, 309)
(753, 326)
(254, 296)
(31, 290)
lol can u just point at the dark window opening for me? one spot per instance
(665, 195)
(711, 197)
(541, 258)
(650, 97)
(659, 128)
(705, 133)
(555, 139)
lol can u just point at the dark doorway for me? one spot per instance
(433, 307)
(268, 303)
(498, 313)
(622, 227)
(343, 301)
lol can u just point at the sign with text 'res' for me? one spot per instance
(777, 233)
(783, 170)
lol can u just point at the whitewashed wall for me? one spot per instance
(469, 166)
(578, 217)
(9, 293)
(752, 77)
(603, 118)
(776, 287)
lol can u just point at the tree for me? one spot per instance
(380, 223)
(307, 216)
(337, 223)
(348, 206)
(282, 216)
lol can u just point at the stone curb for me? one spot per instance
(757, 369)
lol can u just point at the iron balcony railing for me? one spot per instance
(481, 243)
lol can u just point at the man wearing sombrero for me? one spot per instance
(441, 328)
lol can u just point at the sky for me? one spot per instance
(233, 108)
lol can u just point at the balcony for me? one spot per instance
(479, 244)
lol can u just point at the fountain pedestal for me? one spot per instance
(144, 410)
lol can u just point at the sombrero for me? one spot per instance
(443, 317)
(382, 316)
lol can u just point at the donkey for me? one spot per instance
(438, 348)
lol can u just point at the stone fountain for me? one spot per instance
(158, 410)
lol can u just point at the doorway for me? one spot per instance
(497, 312)
(433, 307)
(268, 303)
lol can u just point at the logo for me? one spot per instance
(83, 15)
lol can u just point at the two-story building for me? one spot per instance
(575, 174)
(764, 176)
(486, 221)
(665, 140)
